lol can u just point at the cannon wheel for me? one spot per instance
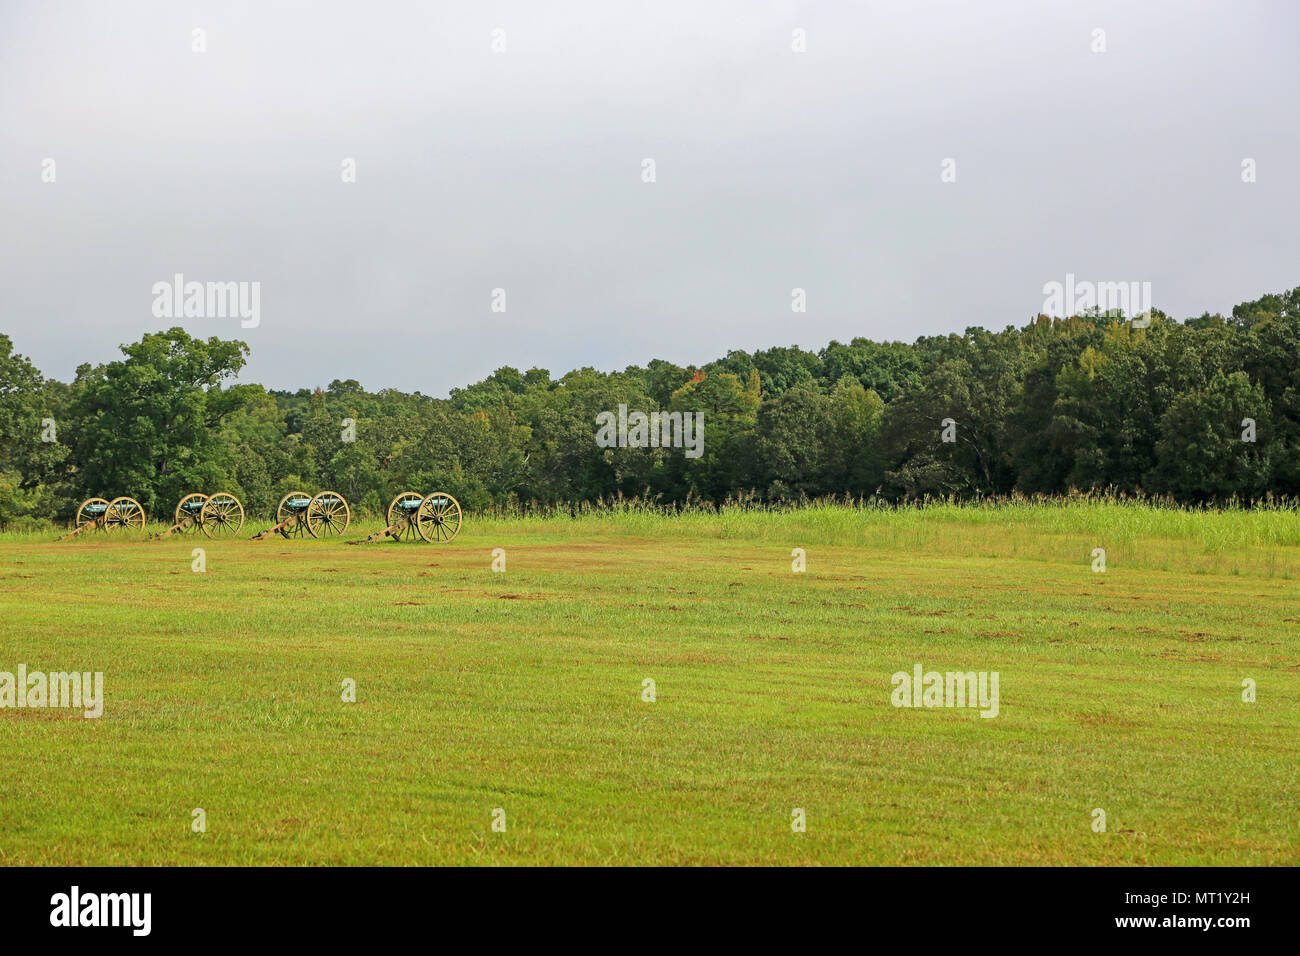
(124, 514)
(84, 517)
(328, 513)
(282, 512)
(395, 513)
(438, 518)
(181, 513)
(222, 515)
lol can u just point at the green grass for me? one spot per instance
(522, 690)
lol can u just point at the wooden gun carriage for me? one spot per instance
(434, 517)
(218, 516)
(99, 514)
(300, 514)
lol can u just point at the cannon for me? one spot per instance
(300, 514)
(434, 517)
(98, 514)
(217, 516)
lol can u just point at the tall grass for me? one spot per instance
(1263, 540)
(873, 521)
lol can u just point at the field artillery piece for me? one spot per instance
(98, 514)
(434, 518)
(317, 516)
(219, 516)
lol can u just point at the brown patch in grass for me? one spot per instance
(1104, 720)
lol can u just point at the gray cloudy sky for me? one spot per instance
(522, 170)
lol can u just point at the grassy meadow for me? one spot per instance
(522, 690)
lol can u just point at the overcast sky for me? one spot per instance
(523, 170)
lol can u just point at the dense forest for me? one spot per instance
(1084, 403)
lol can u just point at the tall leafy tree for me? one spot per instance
(730, 410)
(1217, 442)
(149, 425)
(33, 458)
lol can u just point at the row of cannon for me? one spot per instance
(434, 517)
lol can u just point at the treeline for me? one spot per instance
(1201, 411)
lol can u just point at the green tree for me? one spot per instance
(856, 462)
(34, 461)
(730, 411)
(792, 454)
(149, 426)
(1203, 455)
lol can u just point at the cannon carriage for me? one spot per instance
(217, 516)
(434, 517)
(99, 514)
(302, 515)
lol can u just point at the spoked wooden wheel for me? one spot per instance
(439, 517)
(222, 515)
(91, 511)
(327, 514)
(195, 506)
(283, 511)
(124, 514)
(407, 504)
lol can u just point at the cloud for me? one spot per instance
(522, 170)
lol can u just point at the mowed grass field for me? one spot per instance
(523, 691)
